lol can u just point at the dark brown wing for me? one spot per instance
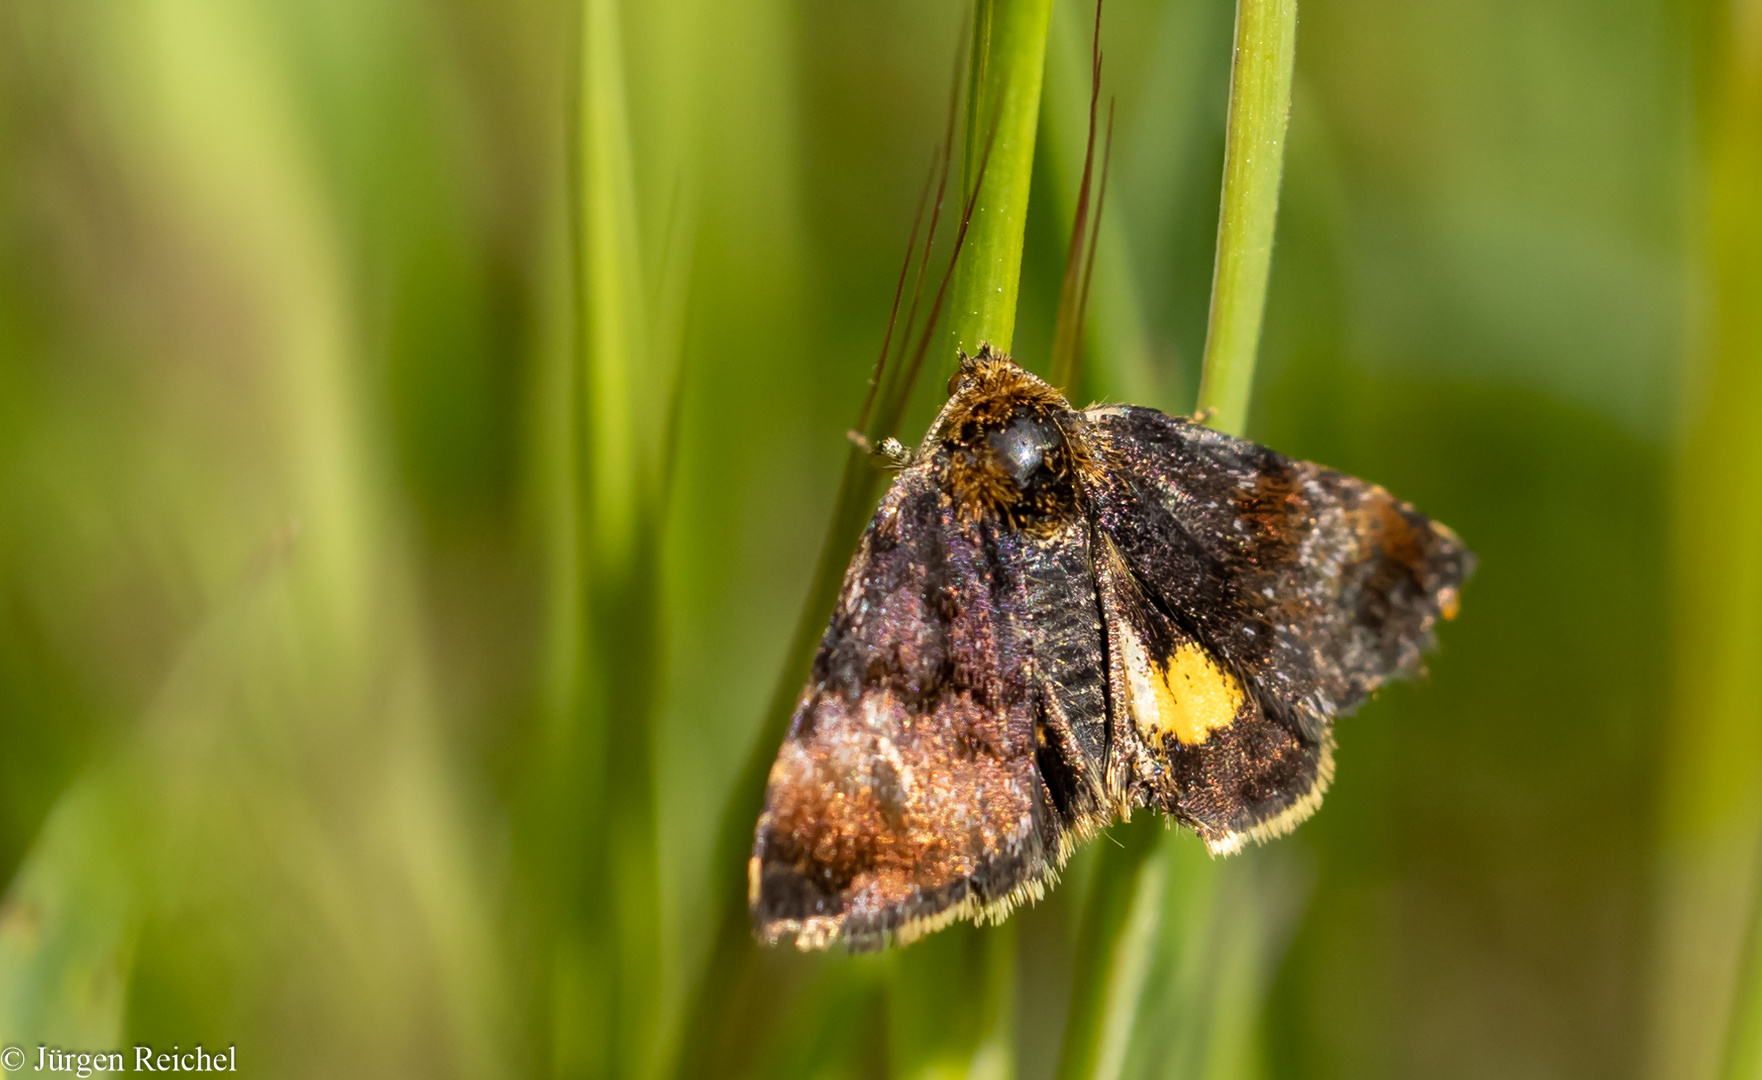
(908, 791)
(1204, 748)
(1313, 586)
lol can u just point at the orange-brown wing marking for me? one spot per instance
(905, 795)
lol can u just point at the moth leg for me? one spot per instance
(891, 451)
(894, 453)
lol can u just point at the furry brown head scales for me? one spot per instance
(1010, 445)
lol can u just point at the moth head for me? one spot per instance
(966, 367)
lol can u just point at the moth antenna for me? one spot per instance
(1067, 338)
(960, 239)
(911, 318)
(1094, 241)
(936, 211)
(905, 268)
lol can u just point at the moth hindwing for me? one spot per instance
(1056, 617)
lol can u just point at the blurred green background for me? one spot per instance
(328, 728)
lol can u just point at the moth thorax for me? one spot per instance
(1018, 470)
(1029, 451)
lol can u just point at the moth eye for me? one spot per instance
(1024, 448)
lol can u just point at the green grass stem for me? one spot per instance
(1003, 117)
(1712, 797)
(1117, 933)
(1735, 232)
(613, 921)
(1254, 156)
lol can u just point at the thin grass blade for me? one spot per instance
(1708, 994)
(1254, 158)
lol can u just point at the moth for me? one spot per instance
(1056, 617)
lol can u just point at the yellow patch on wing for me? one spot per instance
(1189, 695)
